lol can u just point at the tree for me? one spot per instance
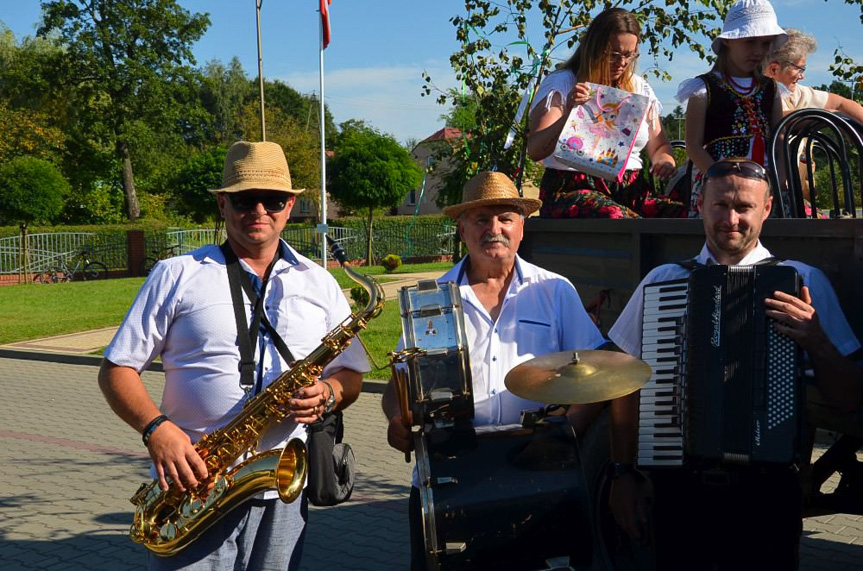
(224, 92)
(495, 76)
(191, 186)
(842, 89)
(127, 60)
(370, 170)
(674, 123)
(299, 144)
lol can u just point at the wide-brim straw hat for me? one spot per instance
(750, 19)
(491, 188)
(256, 166)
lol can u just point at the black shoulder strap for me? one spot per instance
(771, 261)
(238, 277)
(690, 265)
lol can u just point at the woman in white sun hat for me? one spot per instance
(732, 109)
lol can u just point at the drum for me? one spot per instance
(503, 498)
(432, 373)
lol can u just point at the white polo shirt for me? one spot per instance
(184, 313)
(626, 332)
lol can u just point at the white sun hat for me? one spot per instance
(750, 19)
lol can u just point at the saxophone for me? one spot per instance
(167, 521)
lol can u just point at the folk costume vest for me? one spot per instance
(738, 123)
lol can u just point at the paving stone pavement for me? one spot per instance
(68, 467)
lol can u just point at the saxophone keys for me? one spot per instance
(191, 507)
(168, 532)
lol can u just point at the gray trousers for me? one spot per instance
(257, 535)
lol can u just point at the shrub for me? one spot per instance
(359, 296)
(391, 261)
(31, 190)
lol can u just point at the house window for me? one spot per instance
(305, 207)
(412, 197)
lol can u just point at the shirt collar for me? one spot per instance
(705, 257)
(461, 276)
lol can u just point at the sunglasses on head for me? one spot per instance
(739, 167)
(272, 203)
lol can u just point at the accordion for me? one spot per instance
(725, 386)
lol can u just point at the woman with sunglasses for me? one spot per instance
(607, 55)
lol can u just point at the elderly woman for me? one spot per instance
(607, 56)
(787, 65)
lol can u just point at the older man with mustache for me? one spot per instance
(513, 311)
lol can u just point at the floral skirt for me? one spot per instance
(571, 194)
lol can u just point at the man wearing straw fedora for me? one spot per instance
(513, 311)
(185, 313)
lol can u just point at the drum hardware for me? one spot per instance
(580, 377)
(550, 413)
(432, 373)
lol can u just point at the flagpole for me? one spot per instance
(258, 4)
(322, 227)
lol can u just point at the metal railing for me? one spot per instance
(51, 248)
(178, 241)
(419, 240)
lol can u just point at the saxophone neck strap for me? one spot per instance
(247, 335)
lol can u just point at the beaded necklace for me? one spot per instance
(745, 91)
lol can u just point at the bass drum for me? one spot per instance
(504, 498)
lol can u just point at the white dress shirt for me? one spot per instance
(184, 312)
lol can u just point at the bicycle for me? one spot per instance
(63, 272)
(160, 254)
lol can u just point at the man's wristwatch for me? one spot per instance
(618, 469)
(331, 400)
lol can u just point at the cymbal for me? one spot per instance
(578, 377)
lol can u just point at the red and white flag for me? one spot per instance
(325, 22)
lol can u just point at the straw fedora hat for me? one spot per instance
(490, 188)
(256, 166)
(750, 19)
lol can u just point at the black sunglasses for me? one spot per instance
(243, 202)
(739, 167)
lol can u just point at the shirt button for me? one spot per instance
(494, 358)
(494, 391)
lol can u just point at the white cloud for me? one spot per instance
(389, 98)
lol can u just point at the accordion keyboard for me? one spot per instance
(660, 436)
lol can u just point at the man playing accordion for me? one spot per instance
(739, 517)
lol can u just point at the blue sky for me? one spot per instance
(379, 49)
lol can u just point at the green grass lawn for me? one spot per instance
(32, 311)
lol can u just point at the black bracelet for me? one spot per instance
(151, 428)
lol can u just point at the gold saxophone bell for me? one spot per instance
(167, 521)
